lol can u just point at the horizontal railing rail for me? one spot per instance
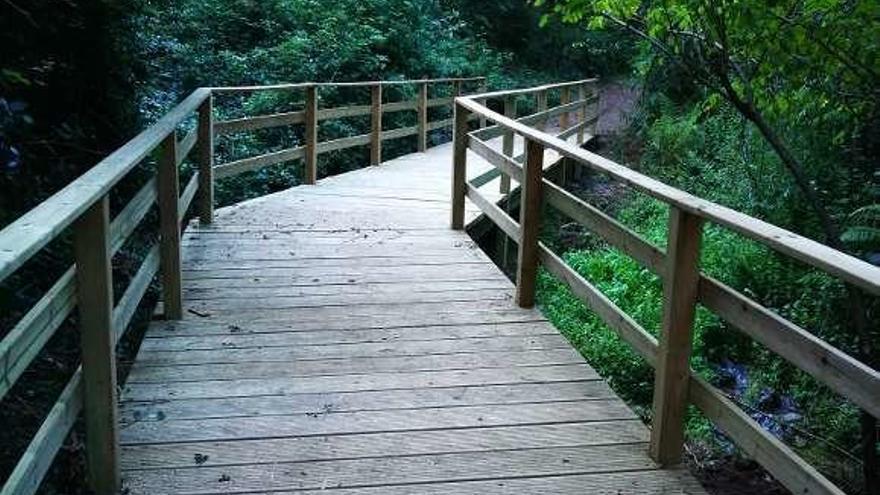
(87, 285)
(676, 385)
(311, 115)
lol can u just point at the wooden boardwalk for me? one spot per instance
(341, 338)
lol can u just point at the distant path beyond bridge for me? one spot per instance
(342, 338)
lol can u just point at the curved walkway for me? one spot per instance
(341, 338)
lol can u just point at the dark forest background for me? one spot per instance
(710, 85)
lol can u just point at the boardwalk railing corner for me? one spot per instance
(676, 385)
(83, 206)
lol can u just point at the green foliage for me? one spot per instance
(701, 151)
(863, 230)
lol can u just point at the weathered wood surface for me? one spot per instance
(342, 337)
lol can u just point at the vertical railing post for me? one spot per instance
(422, 106)
(459, 164)
(582, 97)
(206, 161)
(311, 121)
(94, 285)
(529, 224)
(564, 99)
(376, 125)
(482, 89)
(456, 88)
(564, 122)
(541, 101)
(679, 305)
(169, 229)
(507, 140)
(594, 93)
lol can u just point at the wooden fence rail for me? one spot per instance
(88, 284)
(676, 385)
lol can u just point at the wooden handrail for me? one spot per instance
(353, 84)
(849, 268)
(32, 231)
(684, 285)
(376, 110)
(532, 90)
(88, 284)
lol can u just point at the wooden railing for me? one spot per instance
(83, 206)
(676, 385)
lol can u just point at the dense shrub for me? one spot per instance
(703, 152)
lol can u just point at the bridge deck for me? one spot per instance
(341, 337)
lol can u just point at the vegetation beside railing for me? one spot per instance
(675, 385)
(83, 207)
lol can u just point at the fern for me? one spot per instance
(864, 229)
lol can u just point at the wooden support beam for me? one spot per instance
(94, 279)
(673, 360)
(206, 161)
(482, 89)
(530, 224)
(422, 109)
(507, 140)
(594, 100)
(582, 96)
(311, 156)
(541, 103)
(376, 125)
(169, 230)
(459, 165)
(564, 99)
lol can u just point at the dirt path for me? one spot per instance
(617, 101)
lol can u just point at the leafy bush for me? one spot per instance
(703, 152)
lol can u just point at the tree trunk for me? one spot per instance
(857, 306)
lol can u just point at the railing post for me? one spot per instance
(594, 92)
(564, 122)
(507, 140)
(673, 359)
(376, 125)
(456, 88)
(582, 96)
(529, 224)
(459, 165)
(94, 285)
(206, 161)
(564, 99)
(311, 121)
(169, 229)
(423, 116)
(482, 89)
(541, 101)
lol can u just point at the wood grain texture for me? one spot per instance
(310, 164)
(168, 184)
(344, 331)
(676, 336)
(206, 162)
(94, 281)
(529, 224)
(376, 124)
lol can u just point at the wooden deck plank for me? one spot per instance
(468, 466)
(351, 365)
(336, 383)
(316, 423)
(341, 337)
(370, 400)
(364, 445)
(349, 350)
(241, 340)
